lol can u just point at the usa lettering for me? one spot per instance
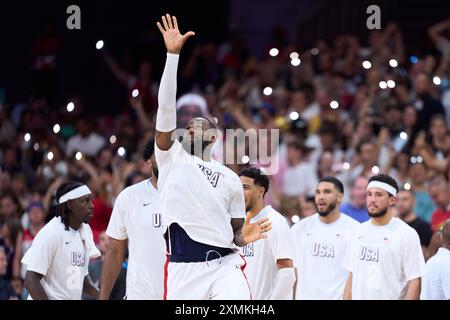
(369, 254)
(248, 250)
(213, 177)
(78, 259)
(322, 250)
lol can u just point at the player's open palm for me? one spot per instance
(173, 39)
(252, 232)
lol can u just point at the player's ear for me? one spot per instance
(392, 200)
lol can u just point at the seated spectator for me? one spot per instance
(6, 290)
(440, 193)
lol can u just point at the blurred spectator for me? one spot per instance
(9, 206)
(357, 208)
(299, 177)
(405, 205)
(86, 140)
(424, 204)
(6, 290)
(440, 193)
(11, 236)
(308, 206)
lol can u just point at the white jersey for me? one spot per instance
(320, 252)
(137, 217)
(200, 196)
(61, 256)
(262, 255)
(383, 259)
(436, 283)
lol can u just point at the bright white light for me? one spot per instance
(121, 151)
(70, 107)
(78, 156)
(27, 137)
(99, 44)
(267, 91)
(274, 52)
(334, 104)
(391, 84)
(135, 93)
(245, 159)
(366, 64)
(50, 156)
(294, 55)
(436, 80)
(393, 63)
(295, 219)
(56, 128)
(294, 115)
(407, 186)
(375, 170)
(383, 85)
(112, 139)
(314, 51)
(403, 135)
(36, 146)
(296, 62)
(346, 166)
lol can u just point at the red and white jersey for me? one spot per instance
(262, 255)
(201, 196)
(320, 252)
(137, 217)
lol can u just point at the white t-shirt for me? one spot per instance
(436, 283)
(301, 179)
(200, 196)
(320, 251)
(137, 217)
(62, 257)
(383, 259)
(262, 255)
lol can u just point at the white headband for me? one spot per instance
(382, 185)
(75, 194)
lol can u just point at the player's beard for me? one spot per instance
(327, 211)
(378, 214)
(192, 147)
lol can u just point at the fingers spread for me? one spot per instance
(260, 222)
(169, 21)
(160, 27)
(175, 23)
(166, 27)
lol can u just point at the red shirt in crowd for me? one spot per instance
(100, 220)
(439, 217)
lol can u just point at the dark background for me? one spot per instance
(129, 31)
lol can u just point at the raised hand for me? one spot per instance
(173, 39)
(252, 232)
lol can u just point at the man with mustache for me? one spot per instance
(385, 259)
(321, 243)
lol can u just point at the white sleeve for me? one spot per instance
(348, 262)
(40, 256)
(413, 262)
(281, 241)
(284, 285)
(166, 116)
(237, 204)
(117, 228)
(445, 281)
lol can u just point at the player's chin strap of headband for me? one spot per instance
(75, 194)
(382, 185)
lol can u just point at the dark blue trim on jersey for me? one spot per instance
(184, 249)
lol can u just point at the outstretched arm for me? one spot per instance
(166, 117)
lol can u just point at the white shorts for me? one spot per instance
(218, 279)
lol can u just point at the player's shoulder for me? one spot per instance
(275, 217)
(348, 220)
(52, 230)
(401, 227)
(305, 223)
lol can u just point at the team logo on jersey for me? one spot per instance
(248, 250)
(78, 259)
(156, 220)
(369, 254)
(213, 177)
(323, 250)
